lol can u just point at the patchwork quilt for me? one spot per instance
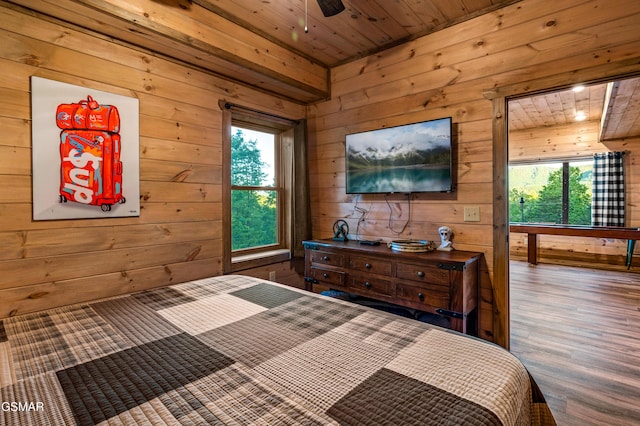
(235, 350)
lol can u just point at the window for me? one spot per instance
(256, 190)
(265, 185)
(551, 192)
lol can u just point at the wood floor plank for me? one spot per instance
(578, 332)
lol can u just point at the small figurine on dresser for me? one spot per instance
(445, 238)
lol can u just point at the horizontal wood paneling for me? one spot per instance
(17, 216)
(578, 140)
(195, 36)
(79, 240)
(445, 74)
(35, 270)
(38, 297)
(174, 171)
(171, 150)
(144, 61)
(178, 235)
(551, 30)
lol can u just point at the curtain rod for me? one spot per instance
(232, 106)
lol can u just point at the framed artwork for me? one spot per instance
(85, 152)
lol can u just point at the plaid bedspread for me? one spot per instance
(235, 350)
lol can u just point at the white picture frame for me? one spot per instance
(53, 199)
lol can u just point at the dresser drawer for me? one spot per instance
(374, 266)
(436, 296)
(370, 287)
(328, 276)
(422, 273)
(444, 283)
(327, 258)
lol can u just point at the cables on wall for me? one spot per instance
(363, 215)
(391, 215)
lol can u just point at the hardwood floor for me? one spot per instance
(578, 332)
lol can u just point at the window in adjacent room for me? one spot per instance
(551, 192)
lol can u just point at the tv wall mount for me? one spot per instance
(340, 230)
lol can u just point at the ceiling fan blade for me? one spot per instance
(330, 7)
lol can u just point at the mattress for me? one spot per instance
(236, 350)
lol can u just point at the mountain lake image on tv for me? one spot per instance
(403, 159)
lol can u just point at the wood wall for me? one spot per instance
(177, 236)
(444, 74)
(577, 141)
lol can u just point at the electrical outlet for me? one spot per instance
(472, 214)
(272, 275)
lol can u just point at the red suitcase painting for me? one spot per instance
(90, 148)
(88, 115)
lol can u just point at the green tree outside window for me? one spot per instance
(534, 200)
(254, 202)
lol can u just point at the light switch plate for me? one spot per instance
(472, 214)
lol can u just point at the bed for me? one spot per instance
(236, 350)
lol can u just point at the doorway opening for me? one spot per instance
(566, 313)
(554, 139)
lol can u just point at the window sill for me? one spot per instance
(248, 261)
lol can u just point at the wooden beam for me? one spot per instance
(196, 36)
(501, 328)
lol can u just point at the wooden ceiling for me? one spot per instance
(263, 43)
(363, 28)
(616, 105)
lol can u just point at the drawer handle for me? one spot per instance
(420, 296)
(367, 284)
(421, 274)
(325, 258)
(325, 275)
(367, 265)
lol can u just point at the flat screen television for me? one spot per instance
(410, 158)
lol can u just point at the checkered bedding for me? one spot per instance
(236, 350)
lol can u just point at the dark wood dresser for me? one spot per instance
(438, 282)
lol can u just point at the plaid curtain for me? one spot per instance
(607, 202)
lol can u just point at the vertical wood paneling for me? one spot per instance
(178, 235)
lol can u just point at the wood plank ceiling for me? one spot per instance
(363, 28)
(616, 105)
